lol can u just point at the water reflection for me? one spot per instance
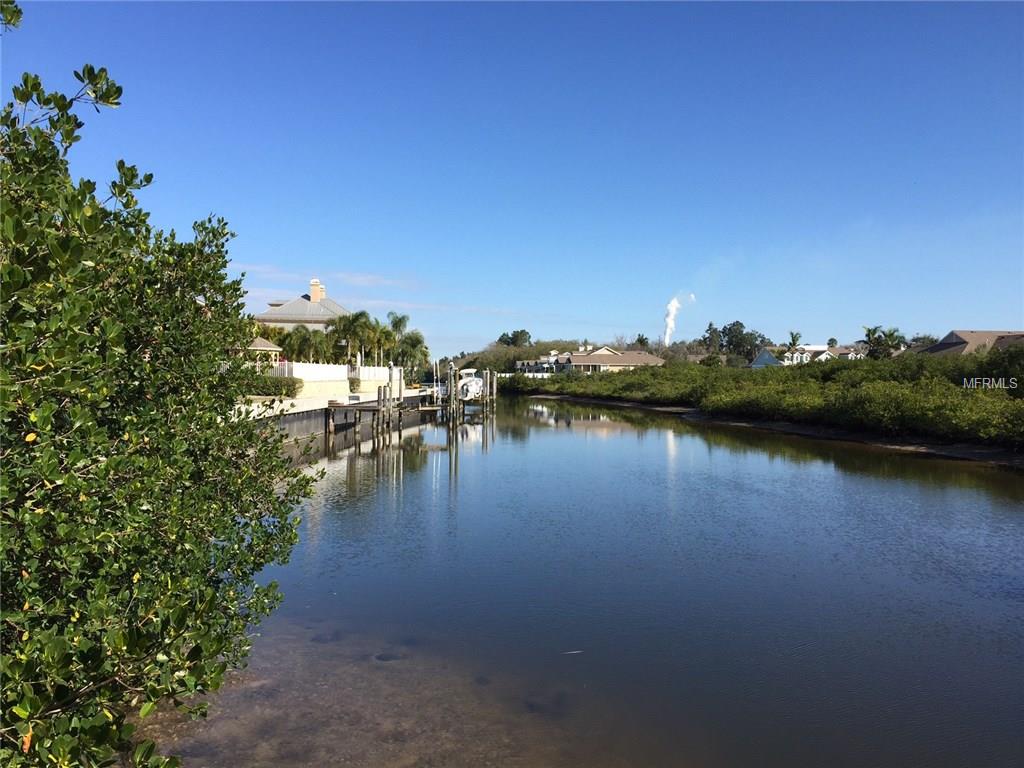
(739, 440)
(567, 585)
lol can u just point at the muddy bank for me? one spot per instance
(994, 455)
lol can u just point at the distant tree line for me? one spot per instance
(909, 394)
(732, 345)
(520, 338)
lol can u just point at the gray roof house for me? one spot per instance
(313, 310)
(965, 342)
(765, 359)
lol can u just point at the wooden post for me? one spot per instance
(450, 394)
(328, 431)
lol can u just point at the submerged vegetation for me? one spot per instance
(906, 395)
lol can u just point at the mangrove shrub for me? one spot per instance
(138, 500)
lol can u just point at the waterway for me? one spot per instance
(567, 585)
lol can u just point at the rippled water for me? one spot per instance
(577, 586)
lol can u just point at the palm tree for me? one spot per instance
(354, 331)
(893, 339)
(319, 347)
(876, 344)
(295, 343)
(337, 340)
(412, 354)
(384, 341)
(794, 340)
(399, 324)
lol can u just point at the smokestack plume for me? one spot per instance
(670, 315)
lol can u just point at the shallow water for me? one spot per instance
(570, 585)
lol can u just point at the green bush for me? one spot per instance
(276, 386)
(907, 395)
(138, 500)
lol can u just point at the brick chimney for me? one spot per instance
(316, 291)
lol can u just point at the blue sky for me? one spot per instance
(569, 168)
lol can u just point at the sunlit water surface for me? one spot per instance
(576, 586)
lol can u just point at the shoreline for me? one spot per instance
(993, 455)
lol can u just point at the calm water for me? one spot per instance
(577, 586)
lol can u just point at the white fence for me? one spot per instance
(324, 372)
(375, 373)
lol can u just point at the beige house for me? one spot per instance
(966, 342)
(313, 310)
(586, 359)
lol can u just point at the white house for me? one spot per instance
(544, 364)
(586, 359)
(806, 353)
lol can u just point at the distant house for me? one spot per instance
(847, 353)
(966, 342)
(807, 353)
(765, 359)
(313, 310)
(544, 364)
(586, 359)
(589, 360)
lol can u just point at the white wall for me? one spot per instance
(319, 372)
(324, 372)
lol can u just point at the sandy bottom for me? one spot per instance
(317, 697)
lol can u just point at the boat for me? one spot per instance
(469, 386)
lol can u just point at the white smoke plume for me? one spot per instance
(670, 315)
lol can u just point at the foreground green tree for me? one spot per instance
(139, 502)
